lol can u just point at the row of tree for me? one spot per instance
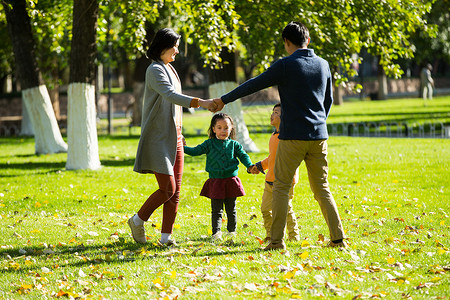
(48, 37)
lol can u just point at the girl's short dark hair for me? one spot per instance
(164, 39)
(296, 33)
(215, 118)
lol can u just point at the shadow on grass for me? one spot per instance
(119, 137)
(19, 155)
(87, 255)
(117, 162)
(50, 166)
(58, 166)
(109, 253)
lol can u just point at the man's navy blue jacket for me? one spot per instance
(306, 93)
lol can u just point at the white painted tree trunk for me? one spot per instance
(82, 128)
(47, 135)
(382, 87)
(234, 109)
(26, 128)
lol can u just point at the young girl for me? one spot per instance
(223, 185)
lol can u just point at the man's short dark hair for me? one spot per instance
(296, 33)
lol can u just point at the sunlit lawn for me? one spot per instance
(409, 111)
(64, 233)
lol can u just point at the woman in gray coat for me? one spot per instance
(160, 149)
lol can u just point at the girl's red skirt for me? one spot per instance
(221, 188)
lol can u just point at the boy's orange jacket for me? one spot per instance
(269, 162)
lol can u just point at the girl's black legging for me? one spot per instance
(217, 212)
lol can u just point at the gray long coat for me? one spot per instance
(158, 142)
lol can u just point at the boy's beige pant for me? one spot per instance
(266, 210)
(290, 154)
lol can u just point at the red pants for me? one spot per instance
(167, 194)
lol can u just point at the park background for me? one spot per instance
(63, 226)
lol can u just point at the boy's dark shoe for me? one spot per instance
(278, 246)
(341, 244)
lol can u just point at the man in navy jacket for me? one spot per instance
(305, 88)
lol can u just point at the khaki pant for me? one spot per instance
(290, 154)
(427, 91)
(266, 210)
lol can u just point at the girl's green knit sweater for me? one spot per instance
(221, 157)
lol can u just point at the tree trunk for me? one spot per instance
(36, 99)
(81, 113)
(47, 136)
(382, 83)
(54, 91)
(127, 75)
(221, 82)
(54, 99)
(26, 128)
(338, 95)
(338, 92)
(234, 109)
(141, 65)
(138, 95)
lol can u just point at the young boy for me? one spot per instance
(268, 163)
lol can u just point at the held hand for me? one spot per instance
(184, 141)
(207, 104)
(219, 104)
(253, 169)
(213, 106)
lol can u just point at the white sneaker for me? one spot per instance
(169, 243)
(231, 234)
(137, 231)
(217, 236)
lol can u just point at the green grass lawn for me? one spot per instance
(64, 233)
(411, 111)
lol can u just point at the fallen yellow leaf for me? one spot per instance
(435, 279)
(157, 280)
(305, 243)
(289, 275)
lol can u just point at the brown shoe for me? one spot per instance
(278, 246)
(267, 239)
(342, 244)
(137, 231)
(294, 238)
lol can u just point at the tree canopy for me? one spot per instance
(339, 28)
